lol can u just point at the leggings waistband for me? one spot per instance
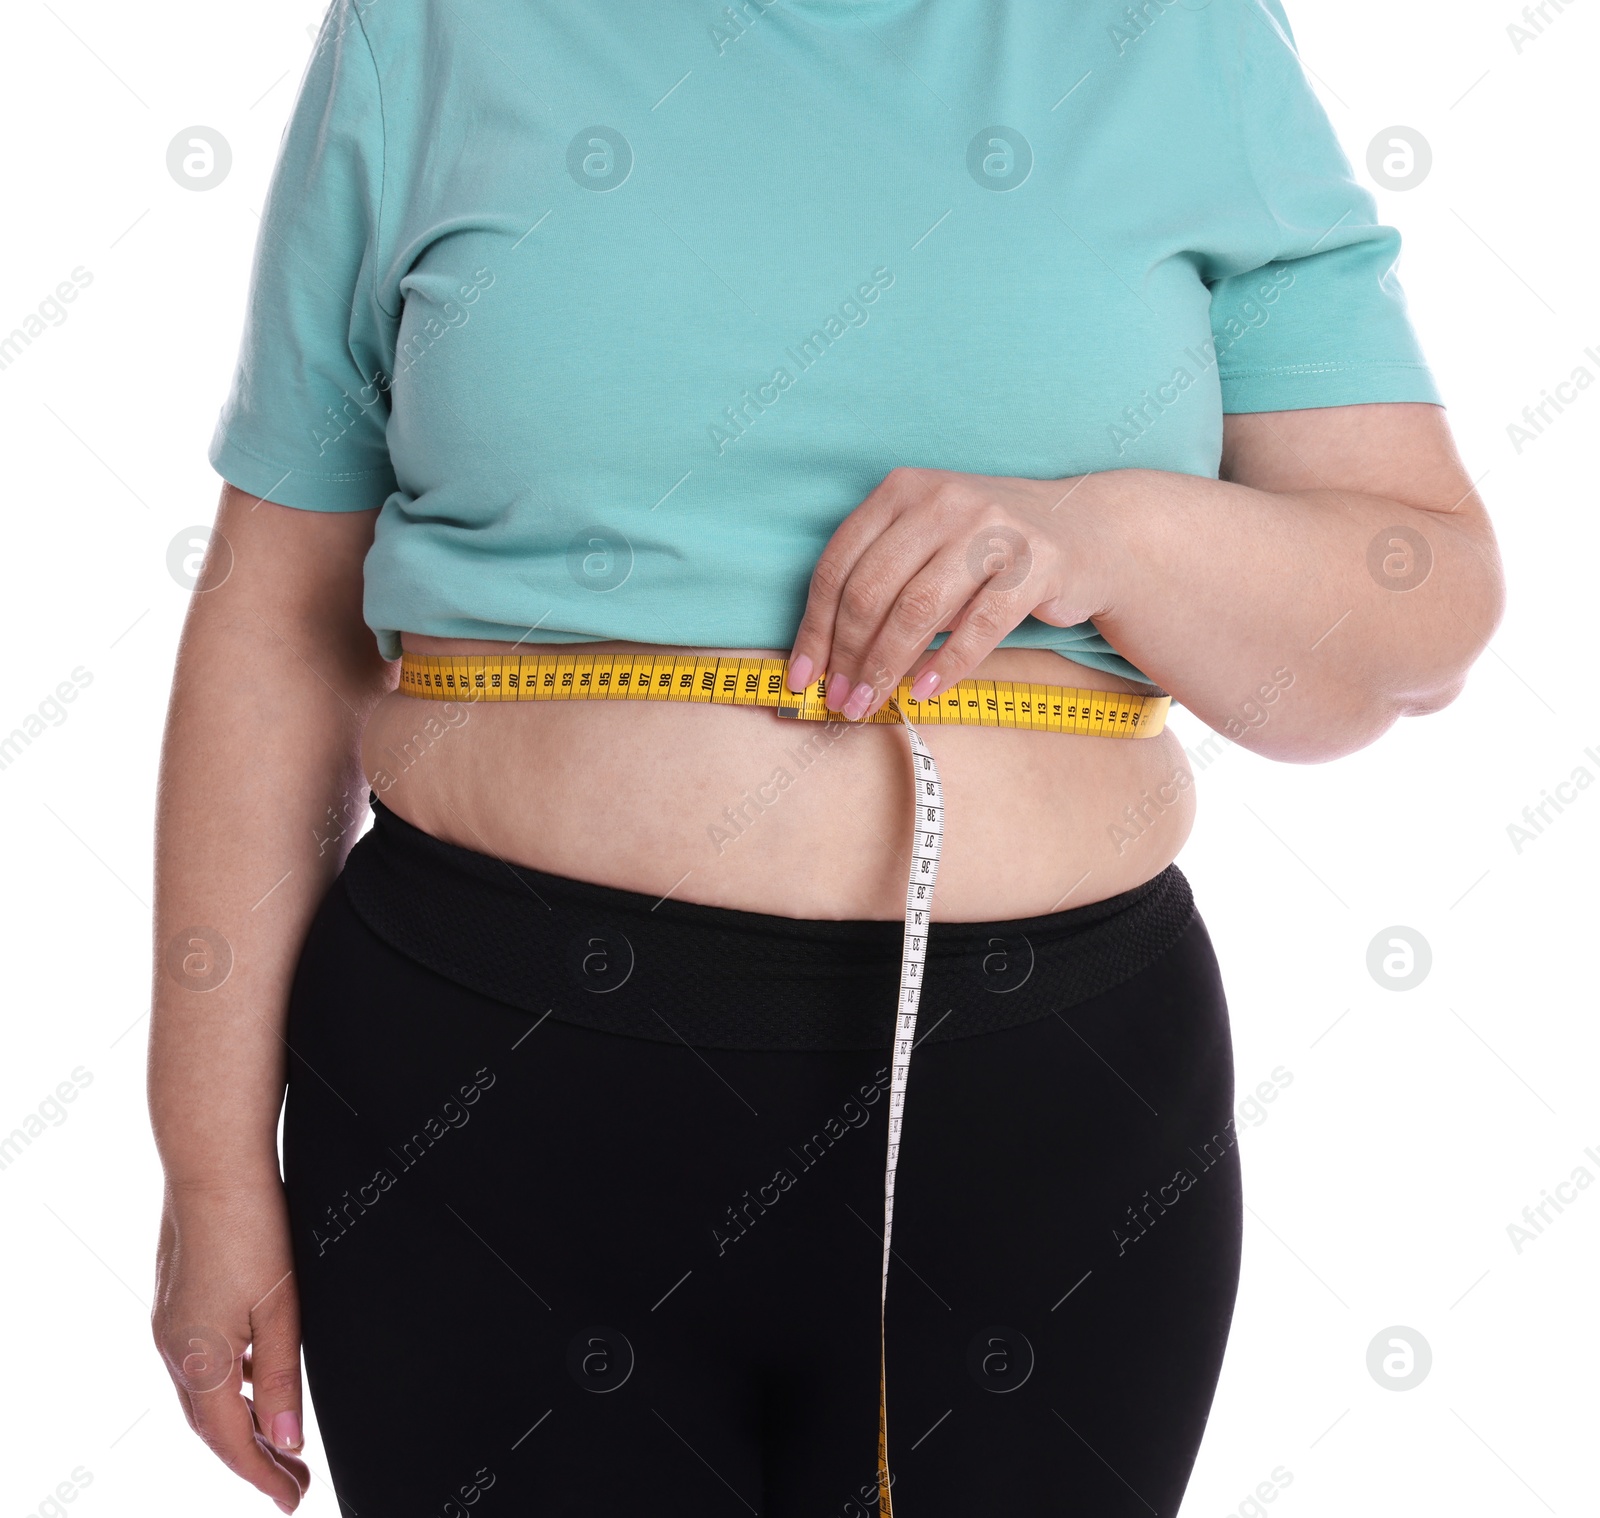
(622, 962)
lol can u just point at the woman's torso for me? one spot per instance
(647, 345)
(737, 807)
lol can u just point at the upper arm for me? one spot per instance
(1324, 384)
(278, 572)
(301, 441)
(1401, 450)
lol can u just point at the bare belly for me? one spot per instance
(737, 807)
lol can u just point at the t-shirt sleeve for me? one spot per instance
(304, 420)
(1306, 308)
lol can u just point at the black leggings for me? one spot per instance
(586, 1197)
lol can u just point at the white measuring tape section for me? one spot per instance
(927, 838)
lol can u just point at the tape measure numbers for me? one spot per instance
(764, 682)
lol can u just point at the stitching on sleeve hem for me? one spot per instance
(1355, 366)
(349, 476)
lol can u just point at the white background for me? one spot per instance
(1417, 1125)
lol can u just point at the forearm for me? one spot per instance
(1281, 617)
(262, 739)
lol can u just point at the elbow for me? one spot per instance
(1477, 612)
(1421, 703)
(1473, 615)
(1349, 725)
(1324, 741)
(1340, 710)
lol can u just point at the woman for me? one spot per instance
(812, 331)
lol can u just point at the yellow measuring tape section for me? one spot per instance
(763, 682)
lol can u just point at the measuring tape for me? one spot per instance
(764, 682)
(927, 837)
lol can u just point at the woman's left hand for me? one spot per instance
(933, 551)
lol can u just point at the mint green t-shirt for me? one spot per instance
(617, 308)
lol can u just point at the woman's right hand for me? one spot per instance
(227, 1313)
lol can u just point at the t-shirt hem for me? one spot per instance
(1107, 662)
(1301, 387)
(303, 489)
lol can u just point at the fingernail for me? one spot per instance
(838, 692)
(855, 708)
(924, 685)
(800, 671)
(283, 1505)
(286, 1430)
